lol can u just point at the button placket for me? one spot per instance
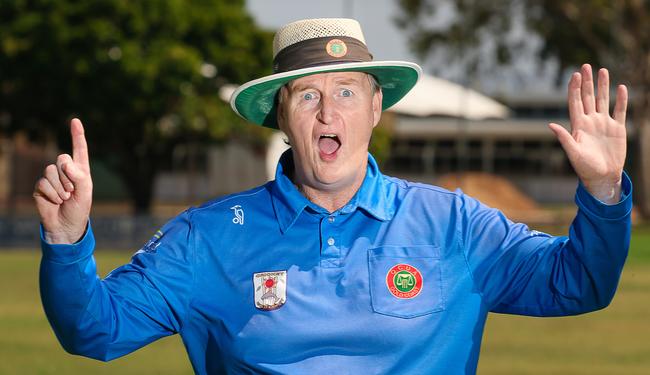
(330, 251)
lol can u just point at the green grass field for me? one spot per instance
(612, 341)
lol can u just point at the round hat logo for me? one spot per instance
(336, 48)
(404, 281)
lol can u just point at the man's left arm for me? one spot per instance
(526, 272)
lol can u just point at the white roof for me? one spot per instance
(435, 96)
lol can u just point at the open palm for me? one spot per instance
(596, 146)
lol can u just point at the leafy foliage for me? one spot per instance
(143, 76)
(596, 31)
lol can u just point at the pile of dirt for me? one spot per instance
(496, 191)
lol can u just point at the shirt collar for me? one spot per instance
(289, 203)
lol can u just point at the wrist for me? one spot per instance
(64, 237)
(606, 191)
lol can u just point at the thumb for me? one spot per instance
(565, 138)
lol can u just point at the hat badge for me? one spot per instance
(336, 48)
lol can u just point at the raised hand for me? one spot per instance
(596, 146)
(64, 194)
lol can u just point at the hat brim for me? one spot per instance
(255, 101)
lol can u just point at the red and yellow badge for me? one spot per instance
(336, 48)
(404, 281)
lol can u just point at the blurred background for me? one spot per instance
(151, 81)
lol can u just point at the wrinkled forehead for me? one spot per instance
(359, 78)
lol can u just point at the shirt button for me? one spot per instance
(330, 241)
(330, 219)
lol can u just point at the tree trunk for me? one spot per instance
(139, 176)
(142, 194)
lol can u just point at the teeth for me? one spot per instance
(329, 135)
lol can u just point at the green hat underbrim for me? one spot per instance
(255, 101)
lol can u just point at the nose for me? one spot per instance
(327, 110)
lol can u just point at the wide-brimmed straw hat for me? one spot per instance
(315, 46)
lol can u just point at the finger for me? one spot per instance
(574, 98)
(569, 144)
(79, 145)
(620, 109)
(45, 190)
(51, 174)
(587, 89)
(602, 98)
(65, 181)
(79, 178)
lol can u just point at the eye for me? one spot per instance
(346, 93)
(309, 96)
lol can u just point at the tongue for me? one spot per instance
(328, 145)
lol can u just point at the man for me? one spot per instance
(333, 267)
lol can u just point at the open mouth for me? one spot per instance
(329, 144)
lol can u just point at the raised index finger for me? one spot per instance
(79, 146)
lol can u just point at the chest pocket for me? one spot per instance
(405, 281)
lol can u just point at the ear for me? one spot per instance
(377, 99)
(279, 108)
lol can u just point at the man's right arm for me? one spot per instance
(137, 303)
(134, 305)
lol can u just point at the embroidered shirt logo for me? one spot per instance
(404, 281)
(270, 289)
(239, 215)
(152, 244)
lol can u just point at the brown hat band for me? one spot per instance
(320, 51)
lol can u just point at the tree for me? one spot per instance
(143, 76)
(614, 34)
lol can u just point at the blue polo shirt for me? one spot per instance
(399, 280)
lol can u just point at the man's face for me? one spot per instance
(328, 119)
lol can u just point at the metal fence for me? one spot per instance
(115, 232)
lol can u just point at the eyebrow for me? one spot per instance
(298, 87)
